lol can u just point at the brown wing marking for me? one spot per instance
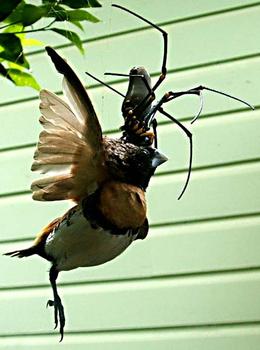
(79, 98)
(70, 146)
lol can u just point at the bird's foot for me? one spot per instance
(59, 316)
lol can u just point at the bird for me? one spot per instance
(106, 178)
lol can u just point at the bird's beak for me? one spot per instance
(158, 159)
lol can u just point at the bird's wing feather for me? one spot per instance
(70, 146)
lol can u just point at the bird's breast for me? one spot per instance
(124, 205)
(75, 243)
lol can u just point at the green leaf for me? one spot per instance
(77, 24)
(94, 3)
(51, 2)
(11, 49)
(12, 28)
(31, 42)
(31, 14)
(59, 13)
(71, 36)
(7, 7)
(16, 14)
(80, 3)
(75, 4)
(54, 10)
(23, 79)
(81, 15)
(4, 72)
(27, 14)
(15, 66)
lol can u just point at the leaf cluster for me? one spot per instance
(17, 18)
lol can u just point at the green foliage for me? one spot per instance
(31, 14)
(7, 7)
(81, 15)
(11, 49)
(71, 36)
(23, 79)
(25, 14)
(80, 3)
(15, 18)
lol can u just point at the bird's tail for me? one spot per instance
(22, 253)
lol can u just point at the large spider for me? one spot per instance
(138, 108)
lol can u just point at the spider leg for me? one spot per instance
(189, 134)
(225, 94)
(154, 125)
(200, 109)
(198, 91)
(105, 84)
(165, 44)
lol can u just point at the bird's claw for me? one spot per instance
(59, 317)
(49, 303)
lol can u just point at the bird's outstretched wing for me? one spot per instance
(69, 150)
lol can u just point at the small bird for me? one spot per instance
(105, 177)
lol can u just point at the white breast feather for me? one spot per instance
(77, 244)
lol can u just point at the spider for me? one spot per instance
(139, 107)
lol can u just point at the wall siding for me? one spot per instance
(194, 283)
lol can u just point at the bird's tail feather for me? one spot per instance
(22, 253)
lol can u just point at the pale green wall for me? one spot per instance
(194, 283)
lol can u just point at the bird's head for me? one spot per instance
(132, 164)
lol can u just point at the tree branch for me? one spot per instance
(35, 30)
